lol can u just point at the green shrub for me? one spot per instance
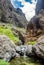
(31, 42)
(2, 62)
(8, 32)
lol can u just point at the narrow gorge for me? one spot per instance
(21, 42)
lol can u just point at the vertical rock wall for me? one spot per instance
(39, 6)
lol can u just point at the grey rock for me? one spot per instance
(29, 51)
(18, 49)
(24, 50)
(7, 57)
(7, 48)
(9, 14)
(21, 49)
(39, 6)
(17, 55)
(38, 48)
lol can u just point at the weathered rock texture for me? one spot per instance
(38, 48)
(25, 50)
(7, 48)
(8, 14)
(39, 6)
(36, 25)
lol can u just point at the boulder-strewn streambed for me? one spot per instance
(15, 42)
(9, 50)
(22, 55)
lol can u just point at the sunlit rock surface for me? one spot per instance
(7, 48)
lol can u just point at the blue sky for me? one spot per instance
(27, 6)
(17, 4)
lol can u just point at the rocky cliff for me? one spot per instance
(8, 14)
(39, 6)
(36, 24)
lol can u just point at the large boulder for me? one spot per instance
(7, 48)
(38, 48)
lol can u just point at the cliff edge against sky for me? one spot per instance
(39, 6)
(8, 14)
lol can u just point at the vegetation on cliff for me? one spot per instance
(6, 30)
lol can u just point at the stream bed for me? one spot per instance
(26, 61)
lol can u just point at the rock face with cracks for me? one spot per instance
(7, 48)
(11, 15)
(36, 25)
(39, 6)
(38, 48)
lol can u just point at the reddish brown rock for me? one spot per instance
(36, 25)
